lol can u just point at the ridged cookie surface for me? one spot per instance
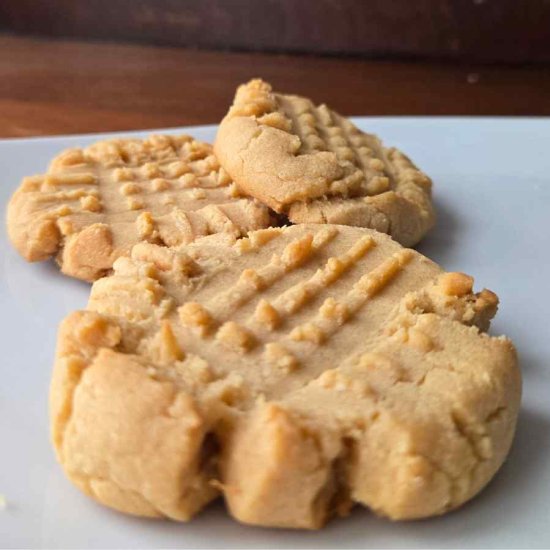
(315, 166)
(297, 371)
(95, 203)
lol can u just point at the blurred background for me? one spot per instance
(71, 66)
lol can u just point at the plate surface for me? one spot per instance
(492, 193)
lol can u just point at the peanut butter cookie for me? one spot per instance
(95, 203)
(296, 372)
(316, 167)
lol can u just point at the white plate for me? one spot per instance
(492, 191)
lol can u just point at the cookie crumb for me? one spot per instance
(129, 188)
(251, 277)
(331, 309)
(90, 203)
(145, 225)
(297, 251)
(195, 315)
(267, 315)
(166, 345)
(308, 332)
(280, 358)
(122, 174)
(135, 204)
(160, 184)
(456, 284)
(235, 337)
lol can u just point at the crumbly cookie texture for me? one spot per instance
(315, 166)
(94, 204)
(296, 372)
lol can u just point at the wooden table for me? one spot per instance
(60, 86)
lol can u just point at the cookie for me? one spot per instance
(296, 372)
(95, 203)
(317, 167)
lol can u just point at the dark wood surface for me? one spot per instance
(55, 87)
(475, 30)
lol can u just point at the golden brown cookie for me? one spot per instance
(297, 371)
(317, 167)
(95, 203)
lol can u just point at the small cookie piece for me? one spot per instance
(315, 166)
(297, 371)
(95, 203)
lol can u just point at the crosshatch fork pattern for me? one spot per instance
(113, 194)
(315, 166)
(299, 402)
(360, 154)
